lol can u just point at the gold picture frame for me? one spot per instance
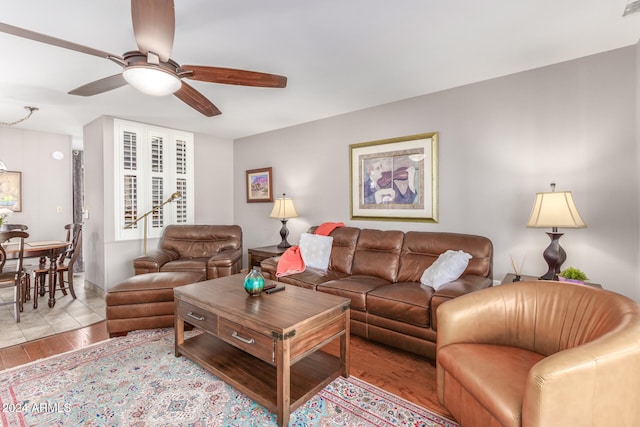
(259, 185)
(11, 190)
(395, 179)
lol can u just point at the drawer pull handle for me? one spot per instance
(195, 316)
(244, 340)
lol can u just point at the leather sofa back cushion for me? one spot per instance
(343, 248)
(378, 254)
(421, 249)
(199, 241)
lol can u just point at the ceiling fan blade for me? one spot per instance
(231, 76)
(100, 86)
(42, 38)
(154, 24)
(196, 100)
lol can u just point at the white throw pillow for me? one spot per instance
(447, 268)
(316, 250)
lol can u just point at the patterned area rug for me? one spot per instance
(137, 381)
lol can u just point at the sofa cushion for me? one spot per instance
(311, 278)
(353, 287)
(343, 248)
(378, 254)
(406, 302)
(198, 241)
(448, 267)
(315, 250)
(420, 249)
(505, 368)
(197, 265)
(153, 281)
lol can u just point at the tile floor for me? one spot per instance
(66, 315)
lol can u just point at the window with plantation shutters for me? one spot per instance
(152, 163)
(182, 216)
(156, 154)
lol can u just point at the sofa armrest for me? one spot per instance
(269, 267)
(601, 378)
(153, 261)
(224, 263)
(478, 317)
(464, 285)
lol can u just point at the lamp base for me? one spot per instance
(554, 255)
(283, 234)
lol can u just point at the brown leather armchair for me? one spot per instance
(213, 250)
(540, 353)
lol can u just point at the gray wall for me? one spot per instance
(501, 141)
(46, 182)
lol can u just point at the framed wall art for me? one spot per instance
(11, 191)
(259, 185)
(395, 179)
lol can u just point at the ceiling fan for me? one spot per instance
(150, 69)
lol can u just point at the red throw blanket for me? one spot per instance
(326, 228)
(291, 261)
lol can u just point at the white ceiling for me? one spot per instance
(339, 55)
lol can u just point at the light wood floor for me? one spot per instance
(403, 374)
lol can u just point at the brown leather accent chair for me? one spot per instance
(540, 354)
(213, 250)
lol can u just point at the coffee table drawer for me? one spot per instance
(254, 343)
(198, 317)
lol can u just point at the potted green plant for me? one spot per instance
(573, 275)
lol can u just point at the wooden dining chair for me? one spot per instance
(13, 227)
(66, 258)
(13, 276)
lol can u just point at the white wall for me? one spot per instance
(501, 141)
(108, 262)
(213, 180)
(46, 182)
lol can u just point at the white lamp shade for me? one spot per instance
(283, 208)
(555, 209)
(151, 80)
(3, 167)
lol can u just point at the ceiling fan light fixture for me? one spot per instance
(152, 80)
(633, 6)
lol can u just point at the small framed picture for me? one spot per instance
(11, 191)
(259, 185)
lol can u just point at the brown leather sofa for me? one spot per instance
(380, 272)
(539, 354)
(213, 250)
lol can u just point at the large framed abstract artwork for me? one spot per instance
(11, 191)
(395, 179)
(259, 185)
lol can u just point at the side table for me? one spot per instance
(508, 278)
(256, 255)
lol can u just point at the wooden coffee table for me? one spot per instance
(264, 346)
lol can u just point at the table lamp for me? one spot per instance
(283, 209)
(555, 210)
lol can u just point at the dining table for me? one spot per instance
(46, 251)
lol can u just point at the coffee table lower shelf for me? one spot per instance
(258, 379)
